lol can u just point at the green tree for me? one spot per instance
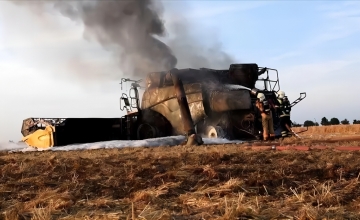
(356, 122)
(294, 124)
(309, 123)
(345, 122)
(334, 121)
(324, 121)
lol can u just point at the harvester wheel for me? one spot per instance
(146, 131)
(214, 132)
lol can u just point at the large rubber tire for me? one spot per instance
(214, 132)
(146, 131)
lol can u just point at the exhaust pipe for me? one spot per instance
(188, 123)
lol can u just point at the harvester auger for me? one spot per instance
(192, 102)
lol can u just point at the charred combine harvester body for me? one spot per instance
(220, 101)
(190, 102)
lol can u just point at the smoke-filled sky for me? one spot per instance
(66, 60)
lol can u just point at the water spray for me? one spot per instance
(236, 87)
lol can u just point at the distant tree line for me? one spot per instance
(325, 122)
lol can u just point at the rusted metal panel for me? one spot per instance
(164, 101)
(157, 95)
(221, 101)
(174, 117)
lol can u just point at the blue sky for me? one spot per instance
(313, 44)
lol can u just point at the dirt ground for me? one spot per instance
(197, 182)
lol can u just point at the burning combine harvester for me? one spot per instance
(192, 102)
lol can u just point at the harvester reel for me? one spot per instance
(214, 132)
(146, 131)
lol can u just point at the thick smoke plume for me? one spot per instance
(130, 30)
(128, 26)
(191, 51)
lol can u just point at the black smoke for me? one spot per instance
(131, 29)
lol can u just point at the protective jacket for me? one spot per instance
(284, 108)
(264, 107)
(266, 119)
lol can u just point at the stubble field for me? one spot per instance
(197, 182)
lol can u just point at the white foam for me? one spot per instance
(154, 142)
(6, 146)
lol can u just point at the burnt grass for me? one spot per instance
(199, 182)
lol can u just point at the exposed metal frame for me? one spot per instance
(134, 100)
(302, 96)
(267, 81)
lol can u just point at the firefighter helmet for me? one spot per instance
(281, 94)
(261, 97)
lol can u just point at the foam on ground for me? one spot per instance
(154, 142)
(8, 146)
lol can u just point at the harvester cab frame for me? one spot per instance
(267, 81)
(276, 86)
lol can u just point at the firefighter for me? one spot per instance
(266, 117)
(284, 114)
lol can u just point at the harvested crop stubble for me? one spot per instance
(332, 129)
(212, 182)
